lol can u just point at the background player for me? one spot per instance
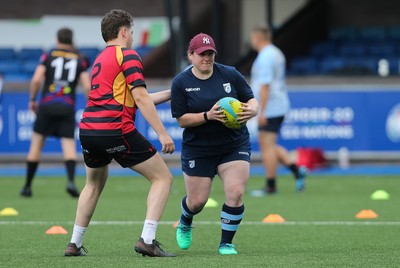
(59, 72)
(208, 147)
(107, 131)
(268, 83)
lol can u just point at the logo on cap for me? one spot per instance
(206, 40)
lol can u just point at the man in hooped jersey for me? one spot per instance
(59, 71)
(108, 131)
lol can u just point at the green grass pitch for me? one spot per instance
(320, 230)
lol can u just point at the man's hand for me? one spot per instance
(248, 112)
(33, 106)
(216, 114)
(262, 121)
(168, 146)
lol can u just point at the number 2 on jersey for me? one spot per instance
(60, 65)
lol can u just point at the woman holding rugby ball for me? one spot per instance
(210, 148)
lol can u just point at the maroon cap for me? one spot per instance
(202, 42)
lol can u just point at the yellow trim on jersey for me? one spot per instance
(119, 55)
(64, 54)
(121, 90)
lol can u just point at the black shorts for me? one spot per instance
(128, 150)
(194, 164)
(273, 124)
(56, 121)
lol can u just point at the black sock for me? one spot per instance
(31, 168)
(271, 184)
(187, 215)
(70, 166)
(295, 170)
(230, 220)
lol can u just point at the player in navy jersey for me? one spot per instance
(59, 71)
(107, 131)
(208, 147)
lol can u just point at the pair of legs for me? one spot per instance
(154, 170)
(234, 175)
(69, 152)
(272, 155)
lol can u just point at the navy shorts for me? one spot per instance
(273, 124)
(128, 150)
(200, 165)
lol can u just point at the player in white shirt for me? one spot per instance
(269, 86)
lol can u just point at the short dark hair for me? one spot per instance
(264, 30)
(112, 23)
(65, 36)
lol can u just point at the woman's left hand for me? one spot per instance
(248, 112)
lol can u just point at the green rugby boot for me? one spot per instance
(183, 236)
(227, 249)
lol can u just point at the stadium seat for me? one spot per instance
(304, 66)
(372, 33)
(90, 52)
(10, 67)
(7, 53)
(143, 50)
(381, 50)
(361, 66)
(394, 33)
(323, 49)
(29, 67)
(343, 33)
(16, 77)
(331, 65)
(352, 49)
(30, 54)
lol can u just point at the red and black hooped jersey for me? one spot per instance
(111, 109)
(63, 68)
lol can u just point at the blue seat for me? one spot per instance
(381, 50)
(16, 77)
(90, 53)
(361, 65)
(30, 54)
(28, 67)
(323, 49)
(331, 65)
(394, 33)
(304, 66)
(143, 50)
(372, 33)
(352, 49)
(7, 53)
(343, 33)
(10, 67)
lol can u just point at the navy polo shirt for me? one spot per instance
(190, 94)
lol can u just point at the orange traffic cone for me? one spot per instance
(274, 218)
(56, 230)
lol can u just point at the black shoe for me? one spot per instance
(26, 192)
(151, 250)
(73, 251)
(72, 190)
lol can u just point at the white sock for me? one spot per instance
(149, 231)
(77, 235)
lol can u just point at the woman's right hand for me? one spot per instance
(216, 114)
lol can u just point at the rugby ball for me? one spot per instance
(231, 108)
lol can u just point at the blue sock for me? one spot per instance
(230, 219)
(187, 215)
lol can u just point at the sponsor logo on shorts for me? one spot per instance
(227, 87)
(192, 89)
(116, 149)
(192, 163)
(244, 153)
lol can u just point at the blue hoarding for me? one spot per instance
(360, 120)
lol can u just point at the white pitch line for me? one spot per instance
(305, 223)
